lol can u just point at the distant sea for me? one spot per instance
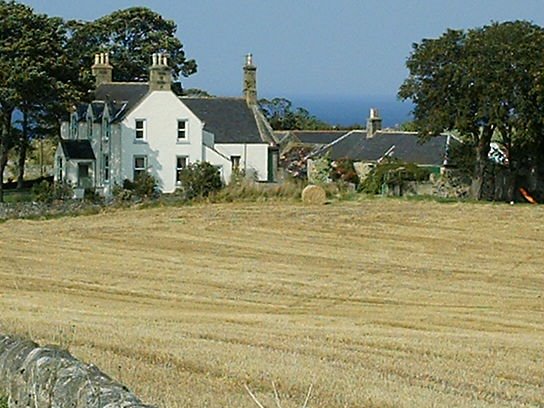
(350, 110)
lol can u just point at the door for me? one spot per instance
(84, 176)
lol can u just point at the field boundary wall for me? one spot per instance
(43, 377)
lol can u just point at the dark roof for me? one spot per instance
(231, 120)
(322, 137)
(77, 149)
(122, 96)
(405, 146)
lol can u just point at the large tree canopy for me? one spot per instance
(281, 115)
(36, 77)
(486, 83)
(131, 36)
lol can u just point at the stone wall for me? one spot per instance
(47, 377)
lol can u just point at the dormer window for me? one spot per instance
(140, 129)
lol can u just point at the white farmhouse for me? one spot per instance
(145, 127)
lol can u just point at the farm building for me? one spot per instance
(136, 127)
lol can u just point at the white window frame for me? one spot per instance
(180, 168)
(184, 131)
(60, 167)
(235, 162)
(140, 134)
(106, 167)
(138, 169)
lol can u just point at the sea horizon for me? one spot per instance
(354, 110)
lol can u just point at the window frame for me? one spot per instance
(184, 130)
(235, 162)
(137, 170)
(140, 131)
(60, 169)
(106, 168)
(179, 168)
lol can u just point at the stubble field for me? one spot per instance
(379, 303)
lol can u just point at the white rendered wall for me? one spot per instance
(253, 158)
(161, 111)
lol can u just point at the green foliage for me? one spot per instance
(47, 192)
(342, 170)
(131, 36)
(3, 402)
(321, 170)
(392, 172)
(199, 180)
(485, 83)
(409, 126)
(36, 76)
(143, 186)
(281, 116)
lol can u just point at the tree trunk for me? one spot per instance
(2, 167)
(482, 151)
(23, 145)
(5, 145)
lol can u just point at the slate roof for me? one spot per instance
(356, 146)
(318, 137)
(231, 120)
(77, 149)
(122, 96)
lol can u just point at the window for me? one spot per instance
(235, 161)
(59, 167)
(140, 129)
(107, 131)
(140, 165)
(106, 167)
(181, 163)
(74, 125)
(182, 129)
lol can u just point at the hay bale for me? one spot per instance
(314, 195)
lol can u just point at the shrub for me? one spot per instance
(344, 171)
(144, 186)
(392, 172)
(199, 180)
(48, 192)
(3, 402)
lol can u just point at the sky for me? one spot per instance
(307, 49)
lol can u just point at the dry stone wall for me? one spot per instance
(47, 377)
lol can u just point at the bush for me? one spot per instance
(344, 171)
(199, 180)
(48, 192)
(144, 186)
(3, 402)
(392, 172)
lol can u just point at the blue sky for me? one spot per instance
(307, 48)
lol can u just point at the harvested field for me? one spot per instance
(379, 303)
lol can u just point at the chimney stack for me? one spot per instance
(102, 70)
(250, 81)
(160, 74)
(374, 123)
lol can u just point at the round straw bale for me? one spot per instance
(314, 195)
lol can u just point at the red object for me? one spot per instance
(527, 196)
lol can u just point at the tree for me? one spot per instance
(281, 116)
(485, 83)
(32, 69)
(131, 36)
